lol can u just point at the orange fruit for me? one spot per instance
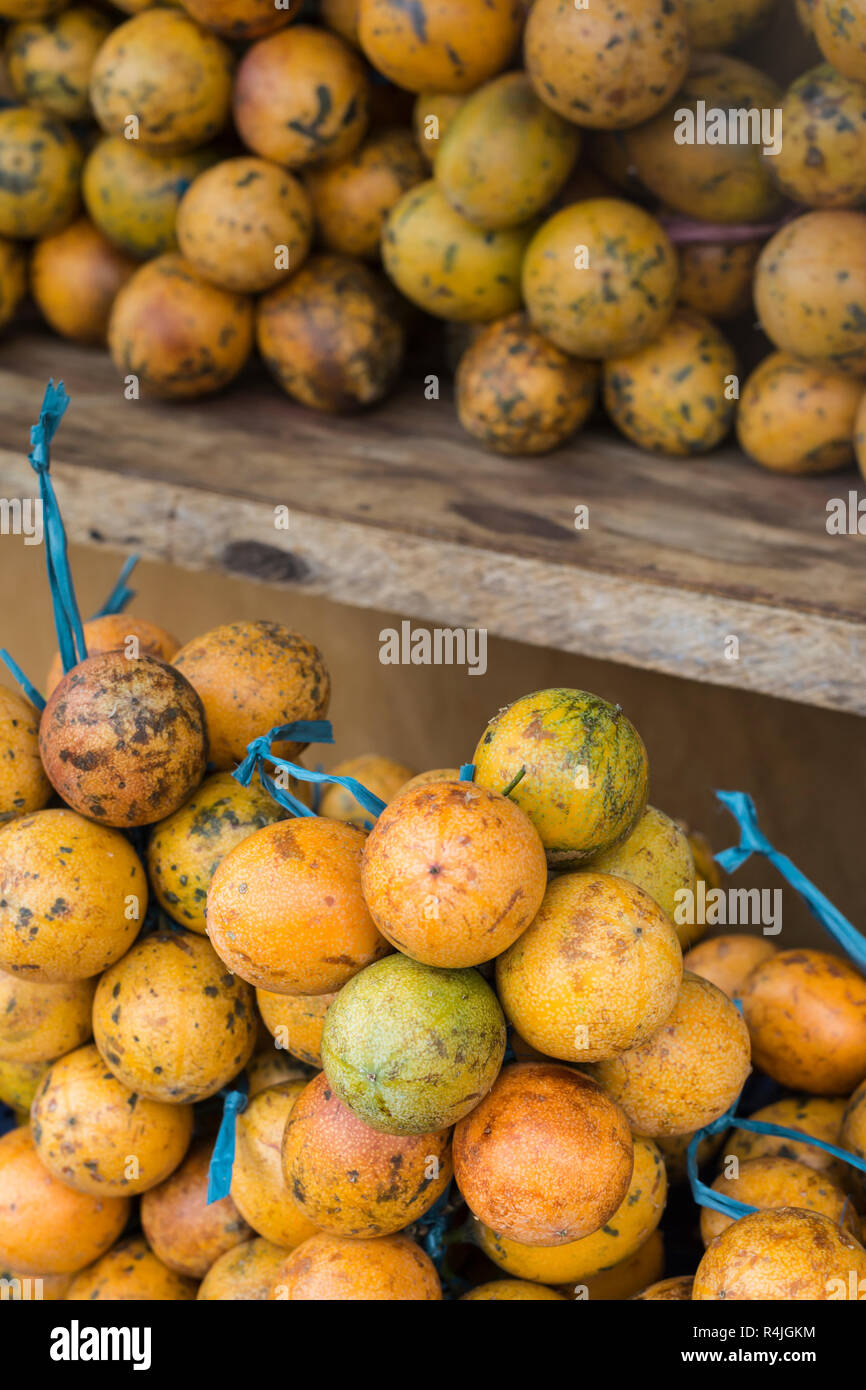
(329, 1268)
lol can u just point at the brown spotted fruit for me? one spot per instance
(185, 850)
(73, 896)
(606, 65)
(447, 46)
(296, 1021)
(658, 858)
(778, 1182)
(716, 277)
(412, 1049)
(40, 168)
(75, 275)
(798, 417)
(806, 1015)
(46, 1227)
(352, 1180)
(132, 194)
(596, 973)
(728, 961)
(452, 873)
(329, 1269)
(352, 198)
(95, 1134)
(246, 1273)
(822, 159)
(784, 1255)
(116, 632)
(332, 335)
(839, 27)
(183, 1229)
(252, 676)
(582, 770)
(519, 394)
(166, 74)
(40, 1021)
(130, 1273)
(123, 739)
(258, 1190)
(819, 1117)
(285, 909)
(621, 1237)
(170, 1022)
(581, 1147)
(690, 1072)
(175, 333)
(49, 59)
(23, 784)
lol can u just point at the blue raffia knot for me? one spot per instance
(753, 841)
(219, 1176)
(302, 731)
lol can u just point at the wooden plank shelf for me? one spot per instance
(397, 509)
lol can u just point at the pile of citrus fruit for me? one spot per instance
(596, 200)
(473, 1051)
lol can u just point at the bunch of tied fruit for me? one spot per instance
(540, 178)
(168, 934)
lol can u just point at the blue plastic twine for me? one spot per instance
(67, 619)
(120, 595)
(302, 731)
(27, 685)
(219, 1174)
(730, 1206)
(467, 772)
(753, 841)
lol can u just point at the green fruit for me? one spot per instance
(411, 1048)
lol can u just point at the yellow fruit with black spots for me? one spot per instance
(170, 1022)
(505, 154)
(49, 60)
(73, 894)
(657, 857)
(839, 27)
(382, 776)
(432, 114)
(258, 1189)
(767, 1182)
(301, 97)
(355, 1181)
(584, 769)
(130, 1273)
(296, 1021)
(186, 849)
(716, 277)
(782, 1255)
(519, 394)
(819, 1117)
(133, 194)
(179, 335)
(721, 182)
(240, 19)
(41, 1021)
(595, 974)
(40, 168)
(727, 961)
(186, 1231)
(251, 677)
(711, 25)
(448, 266)
(46, 1227)
(798, 417)
(172, 76)
(285, 908)
(246, 1273)
(511, 1291)
(622, 1235)
(13, 278)
(606, 65)
(810, 287)
(329, 1268)
(75, 275)
(822, 159)
(439, 45)
(86, 1125)
(115, 632)
(689, 1073)
(674, 395)
(352, 199)
(806, 1015)
(123, 739)
(24, 786)
(332, 336)
(19, 1082)
(245, 224)
(599, 278)
(623, 1280)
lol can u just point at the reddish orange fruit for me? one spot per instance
(453, 873)
(782, 1255)
(579, 1148)
(118, 632)
(185, 1231)
(328, 1269)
